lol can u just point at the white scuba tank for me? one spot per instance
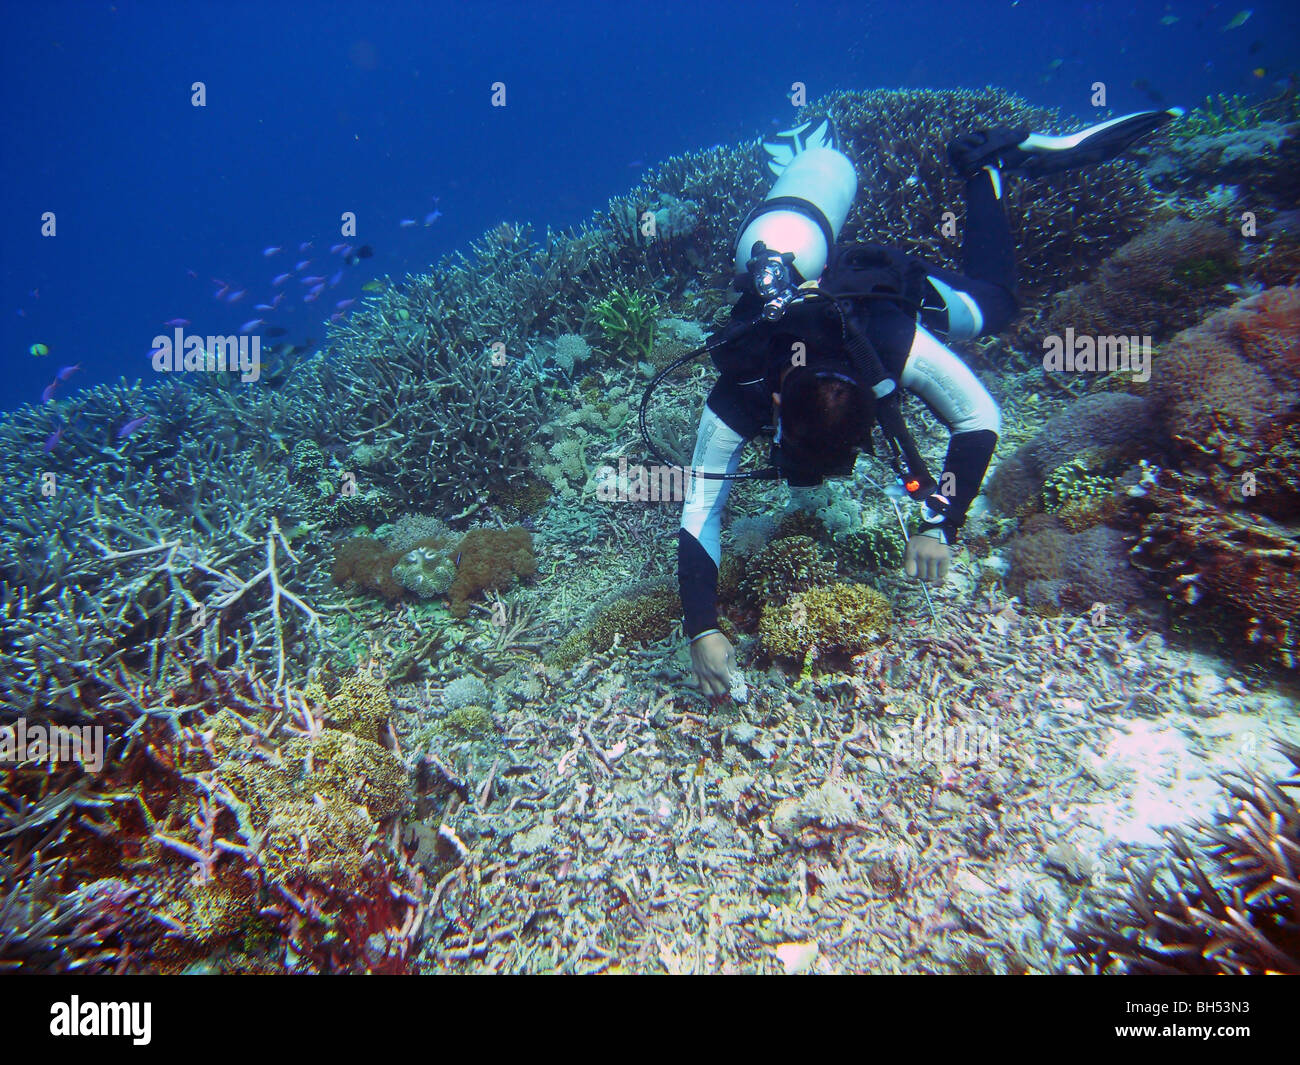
(824, 179)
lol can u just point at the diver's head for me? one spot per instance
(824, 419)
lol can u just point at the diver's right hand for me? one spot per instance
(713, 659)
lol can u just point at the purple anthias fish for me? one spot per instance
(131, 426)
(432, 217)
(248, 327)
(313, 295)
(264, 307)
(53, 440)
(303, 265)
(276, 302)
(312, 280)
(235, 297)
(268, 252)
(339, 249)
(335, 278)
(343, 305)
(48, 394)
(177, 323)
(280, 279)
(66, 372)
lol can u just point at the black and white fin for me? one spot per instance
(784, 146)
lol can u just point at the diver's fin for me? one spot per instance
(1039, 154)
(784, 146)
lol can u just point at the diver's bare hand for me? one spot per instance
(713, 658)
(926, 558)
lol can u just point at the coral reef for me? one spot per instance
(465, 691)
(897, 140)
(638, 614)
(1239, 572)
(831, 620)
(786, 566)
(1227, 906)
(234, 835)
(1159, 282)
(1101, 425)
(490, 560)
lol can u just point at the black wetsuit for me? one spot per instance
(979, 301)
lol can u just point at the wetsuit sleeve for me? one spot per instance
(699, 549)
(949, 388)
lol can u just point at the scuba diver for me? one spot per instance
(824, 338)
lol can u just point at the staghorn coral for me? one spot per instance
(1228, 905)
(897, 140)
(837, 619)
(241, 835)
(490, 560)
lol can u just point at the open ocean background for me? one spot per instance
(315, 108)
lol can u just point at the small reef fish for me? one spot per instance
(131, 426)
(177, 323)
(302, 265)
(432, 217)
(48, 393)
(340, 249)
(305, 246)
(66, 372)
(263, 307)
(1238, 20)
(1168, 20)
(268, 252)
(280, 279)
(407, 223)
(311, 280)
(236, 296)
(39, 349)
(373, 286)
(335, 278)
(343, 305)
(52, 441)
(249, 326)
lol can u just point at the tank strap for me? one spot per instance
(798, 206)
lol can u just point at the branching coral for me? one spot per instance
(1228, 906)
(244, 836)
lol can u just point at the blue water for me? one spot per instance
(314, 109)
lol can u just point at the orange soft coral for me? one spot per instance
(490, 559)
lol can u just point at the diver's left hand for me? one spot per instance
(926, 558)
